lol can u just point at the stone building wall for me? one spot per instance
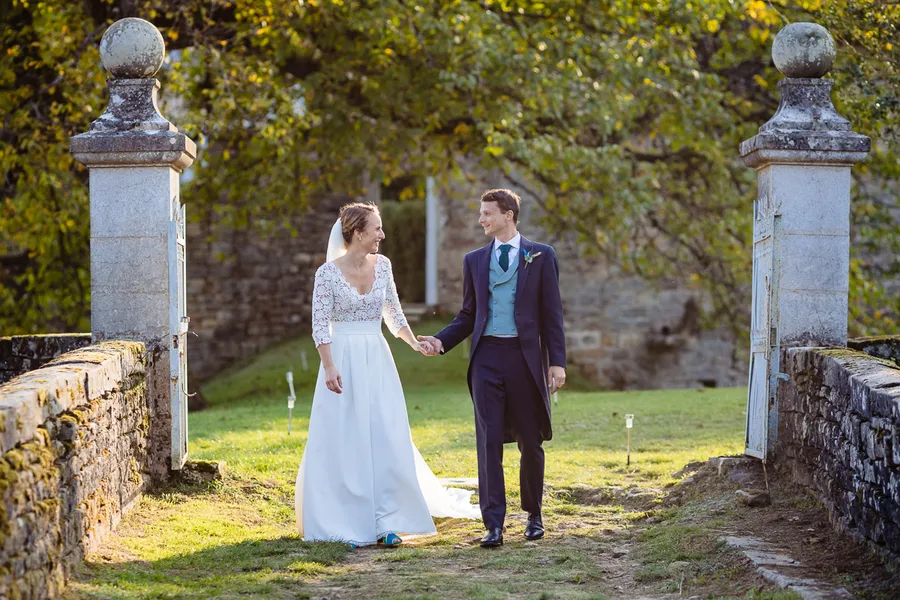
(22, 353)
(248, 290)
(622, 332)
(839, 433)
(80, 439)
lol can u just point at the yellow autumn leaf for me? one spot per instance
(712, 25)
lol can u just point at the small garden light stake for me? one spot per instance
(629, 419)
(303, 362)
(291, 399)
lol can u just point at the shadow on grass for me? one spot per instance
(257, 567)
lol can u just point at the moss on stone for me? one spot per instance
(855, 358)
(16, 459)
(144, 427)
(134, 474)
(43, 436)
(75, 416)
(877, 339)
(8, 476)
(48, 505)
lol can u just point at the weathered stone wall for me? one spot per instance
(882, 346)
(80, 440)
(248, 290)
(622, 332)
(22, 353)
(839, 433)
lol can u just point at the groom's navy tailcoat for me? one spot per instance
(538, 316)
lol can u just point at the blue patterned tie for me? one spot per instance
(504, 257)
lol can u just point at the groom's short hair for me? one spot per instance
(507, 200)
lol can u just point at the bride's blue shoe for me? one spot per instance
(391, 539)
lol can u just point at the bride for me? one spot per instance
(361, 479)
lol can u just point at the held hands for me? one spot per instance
(430, 345)
(423, 347)
(557, 377)
(333, 380)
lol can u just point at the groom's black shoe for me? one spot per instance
(534, 530)
(493, 538)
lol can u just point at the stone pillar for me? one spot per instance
(801, 226)
(135, 157)
(803, 157)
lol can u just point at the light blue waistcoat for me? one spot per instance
(502, 295)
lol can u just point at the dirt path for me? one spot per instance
(237, 540)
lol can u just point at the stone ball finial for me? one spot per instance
(132, 48)
(803, 50)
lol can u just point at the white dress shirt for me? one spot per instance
(515, 243)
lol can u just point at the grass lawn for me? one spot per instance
(236, 538)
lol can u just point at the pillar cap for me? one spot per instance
(132, 48)
(804, 50)
(131, 131)
(123, 149)
(806, 128)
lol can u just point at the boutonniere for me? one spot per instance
(529, 256)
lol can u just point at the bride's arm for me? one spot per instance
(391, 309)
(322, 305)
(406, 334)
(393, 312)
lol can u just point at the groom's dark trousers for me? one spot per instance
(503, 390)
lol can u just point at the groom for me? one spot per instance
(512, 309)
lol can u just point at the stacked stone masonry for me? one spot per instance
(839, 433)
(22, 353)
(77, 450)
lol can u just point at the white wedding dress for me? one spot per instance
(361, 476)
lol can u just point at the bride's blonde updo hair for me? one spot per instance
(355, 217)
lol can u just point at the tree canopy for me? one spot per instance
(621, 118)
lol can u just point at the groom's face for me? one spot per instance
(493, 220)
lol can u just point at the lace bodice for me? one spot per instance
(334, 299)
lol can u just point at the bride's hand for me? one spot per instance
(434, 345)
(422, 347)
(333, 380)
